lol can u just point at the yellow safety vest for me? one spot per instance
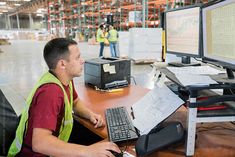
(67, 122)
(100, 36)
(113, 35)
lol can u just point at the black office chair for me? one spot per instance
(8, 124)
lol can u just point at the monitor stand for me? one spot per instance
(185, 61)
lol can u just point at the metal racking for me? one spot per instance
(69, 17)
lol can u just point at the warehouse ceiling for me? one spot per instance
(23, 6)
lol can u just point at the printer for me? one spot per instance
(107, 73)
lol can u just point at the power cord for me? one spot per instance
(129, 142)
(197, 59)
(134, 79)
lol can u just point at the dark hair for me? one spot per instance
(101, 26)
(57, 49)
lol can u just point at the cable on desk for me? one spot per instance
(128, 141)
(134, 79)
(197, 59)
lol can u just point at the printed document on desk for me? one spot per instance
(190, 79)
(154, 107)
(199, 70)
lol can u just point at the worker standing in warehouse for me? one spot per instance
(100, 38)
(113, 38)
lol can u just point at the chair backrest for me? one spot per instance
(8, 124)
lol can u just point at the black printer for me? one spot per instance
(107, 73)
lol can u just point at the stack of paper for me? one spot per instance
(197, 75)
(145, 43)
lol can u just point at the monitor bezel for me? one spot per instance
(209, 58)
(181, 54)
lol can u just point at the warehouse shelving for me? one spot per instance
(70, 17)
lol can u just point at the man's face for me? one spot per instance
(75, 62)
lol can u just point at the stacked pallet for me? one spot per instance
(4, 42)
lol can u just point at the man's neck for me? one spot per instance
(61, 77)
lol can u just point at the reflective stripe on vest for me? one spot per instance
(67, 121)
(113, 35)
(18, 144)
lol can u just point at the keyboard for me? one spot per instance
(119, 125)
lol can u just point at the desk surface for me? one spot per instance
(210, 141)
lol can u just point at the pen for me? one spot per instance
(132, 113)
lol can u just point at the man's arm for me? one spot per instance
(81, 110)
(45, 143)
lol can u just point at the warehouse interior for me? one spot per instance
(26, 26)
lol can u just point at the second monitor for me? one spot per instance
(218, 20)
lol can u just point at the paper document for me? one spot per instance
(126, 154)
(201, 70)
(190, 79)
(154, 107)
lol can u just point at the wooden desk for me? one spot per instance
(214, 143)
(98, 101)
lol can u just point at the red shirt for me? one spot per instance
(46, 111)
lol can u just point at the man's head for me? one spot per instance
(63, 54)
(101, 26)
(110, 27)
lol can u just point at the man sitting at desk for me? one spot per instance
(46, 122)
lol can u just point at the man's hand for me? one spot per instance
(96, 119)
(82, 111)
(102, 149)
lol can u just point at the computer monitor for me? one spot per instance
(182, 28)
(218, 21)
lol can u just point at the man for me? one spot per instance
(47, 122)
(100, 38)
(113, 38)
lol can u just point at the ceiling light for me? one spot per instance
(17, 4)
(3, 3)
(27, 0)
(5, 7)
(41, 10)
(39, 15)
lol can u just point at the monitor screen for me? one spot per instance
(219, 33)
(183, 31)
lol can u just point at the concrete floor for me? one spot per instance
(22, 64)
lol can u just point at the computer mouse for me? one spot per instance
(116, 154)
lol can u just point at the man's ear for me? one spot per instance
(61, 64)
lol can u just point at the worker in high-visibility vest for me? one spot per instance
(100, 37)
(47, 120)
(113, 38)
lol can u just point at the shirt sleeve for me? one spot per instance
(48, 106)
